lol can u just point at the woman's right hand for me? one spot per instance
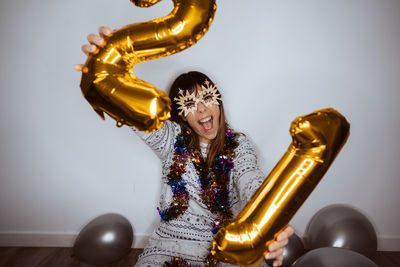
(95, 42)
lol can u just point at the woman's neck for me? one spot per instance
(204, 140)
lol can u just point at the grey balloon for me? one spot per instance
(333, 257)
(291, 252)
(105, 239)
(341, 226)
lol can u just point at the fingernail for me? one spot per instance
(268, 256)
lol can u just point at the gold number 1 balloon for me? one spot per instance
(317, 139)
(110, 85)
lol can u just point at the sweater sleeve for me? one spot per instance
(161, 141)
(247, 176)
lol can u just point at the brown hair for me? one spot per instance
(189, 81)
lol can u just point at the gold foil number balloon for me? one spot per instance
(317, 139)
(110, 85)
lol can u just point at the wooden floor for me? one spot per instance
(54, 257)
(62, 257)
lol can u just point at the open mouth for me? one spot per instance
(207, 123)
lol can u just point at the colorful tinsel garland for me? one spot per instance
(214, 181)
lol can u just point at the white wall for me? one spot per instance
(61, 165)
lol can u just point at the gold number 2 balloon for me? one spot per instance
(110, 85)
(317, 139)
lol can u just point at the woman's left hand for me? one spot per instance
(274, 249)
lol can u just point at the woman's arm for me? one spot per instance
(247, 179)
(161, 141)
(247, 176)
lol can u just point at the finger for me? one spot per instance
(285, 234)
(289, 230)
(277, 245)
(78, 67)
(277, 263)
(272, 246)
(81, 67)
(274, 254)
(95, 40)
(279, 258)
(283, 243)
(90, 49)
(105, 31)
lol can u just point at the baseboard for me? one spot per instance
(67, 240)
(52, 240)
(388, 243)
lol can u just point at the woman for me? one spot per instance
(209, 173)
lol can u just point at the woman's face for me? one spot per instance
(205, 119)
